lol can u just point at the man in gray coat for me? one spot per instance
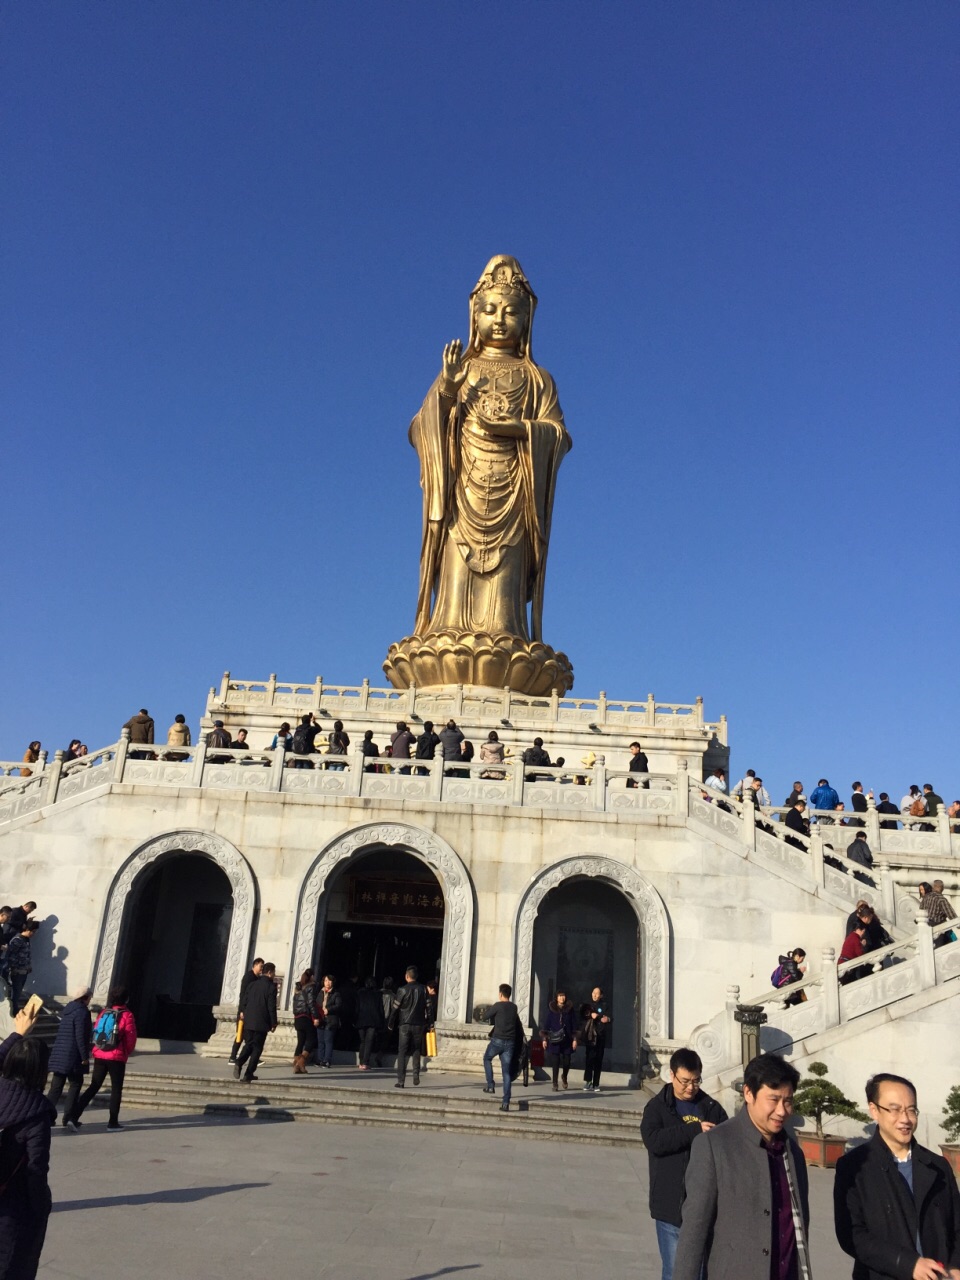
(745, 1212)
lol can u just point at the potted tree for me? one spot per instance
(815, 1098)
(951, 1125)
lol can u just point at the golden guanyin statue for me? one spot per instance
(490, 436)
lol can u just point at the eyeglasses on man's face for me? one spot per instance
(688, 1082)
(910, 1112)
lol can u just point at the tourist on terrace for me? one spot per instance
(450, 740)
(749, 784)
(70, 1056)
(400, 744)
(427, 744)
(896, 1204)
(26, 1118)
(933, 804)
(858, 803)
(795, 795)
(283, 738)
(536, 755)
(141, 731)
(953, 812)
(30, 756)
(595, 1021)
(792, 968)
(913, 798)
(824, 797)
(338, 742)
(17, 918)
(304, 740)
(491, 752)
(640, 764)
(671, 1122)
(860, 853)
(745, 1211)
(73, 751)
(938, 911)
(467, 753)
(218, 737)
(558, 1032)
(370, 751)
(853, 948)
(717, 781)
(876, 935)
(796, 820)
(887, 807)
(108, 1060)
(178, 735)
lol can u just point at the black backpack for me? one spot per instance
(302, 740)
(426, 746)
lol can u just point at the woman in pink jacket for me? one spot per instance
(114, 1039)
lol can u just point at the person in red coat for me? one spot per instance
(853, 948)
(110, 1062)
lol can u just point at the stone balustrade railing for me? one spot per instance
(12, 768)
(908, 967)
(461, 701)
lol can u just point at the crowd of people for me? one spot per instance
(729, 1197)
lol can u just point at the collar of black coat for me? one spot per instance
(919, 1154)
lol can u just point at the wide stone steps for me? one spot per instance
(562, 1120)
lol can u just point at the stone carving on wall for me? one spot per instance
(242, 885)
(654, 935)
(457, 896)
(879, 989)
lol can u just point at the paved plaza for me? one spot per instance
(188, 1195)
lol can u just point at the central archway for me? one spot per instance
(452, 876)
(654, 987)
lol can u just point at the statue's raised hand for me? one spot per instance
(453, 372)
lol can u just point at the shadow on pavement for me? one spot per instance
(445, 1271)
(180, 1195)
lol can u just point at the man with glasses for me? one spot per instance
(896, 1205)
(671, 1121)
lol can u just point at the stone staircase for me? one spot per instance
(566, 1118)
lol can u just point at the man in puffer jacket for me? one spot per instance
(70, 1055)
(110, 1062)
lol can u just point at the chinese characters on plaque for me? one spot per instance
(375, 898)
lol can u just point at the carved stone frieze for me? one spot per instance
(654, 935)
(242, 885)
(457, 896)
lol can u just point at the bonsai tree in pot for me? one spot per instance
(951, 1125)
(818, 1097)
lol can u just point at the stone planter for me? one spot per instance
(951, 1153)
(823, 1152)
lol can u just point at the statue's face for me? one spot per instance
(501, 319)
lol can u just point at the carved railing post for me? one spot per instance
(41, 762)
(436, 777)
(276, 769)
(505, 703)
(458, 702)
(120, 759)
(355, 766)
(51, 783)
(681, 801)
(927, 963)
(943, 825)
(272, 689)
(365, 694)
(554, 706)
(517, 764)
(732, 1056)
(698, 713)
(412, 702)
(830, 987)
(600, 785)
(816, 854)
(651, 712)
(602, 707)
(873, 824)
(749, 827)
(199, 760)
(888, 889)
(224, 686)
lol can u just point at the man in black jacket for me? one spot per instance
(671, 1121)
(411, 1009)
(896, 1204)
(259, 1020)
(253, 972)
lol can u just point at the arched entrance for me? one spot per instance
(591, 920)
(177, 931)
(409, 863)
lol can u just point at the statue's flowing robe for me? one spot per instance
(479, 570)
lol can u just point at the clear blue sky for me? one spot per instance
(236, 236)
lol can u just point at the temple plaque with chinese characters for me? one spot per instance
(389, 901)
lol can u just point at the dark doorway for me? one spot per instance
(380, 951)
(586, 935)
(173, 947)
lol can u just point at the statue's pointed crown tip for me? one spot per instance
(503, 271)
